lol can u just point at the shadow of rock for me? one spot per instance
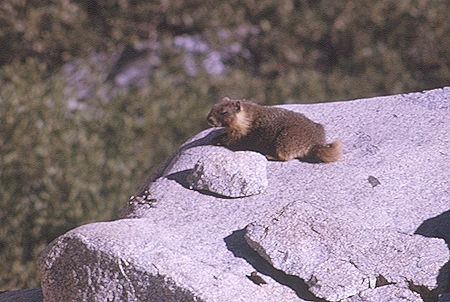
(22, 295)
(181, 178)
(208, 139)
(204, 141)
(238, 246)
(438, 227)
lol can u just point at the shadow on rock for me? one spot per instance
(181, 178)
(438, 227)
(238, 246)
(208, 139)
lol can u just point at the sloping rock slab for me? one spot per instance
(177, 244)
(339, 259)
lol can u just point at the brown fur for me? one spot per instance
(275, 132)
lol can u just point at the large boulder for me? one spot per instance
(371, 227)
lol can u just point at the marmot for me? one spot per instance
(278, 133)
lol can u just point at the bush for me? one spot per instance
(291, 51)
(61, 168)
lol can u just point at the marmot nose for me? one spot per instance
(210, 120)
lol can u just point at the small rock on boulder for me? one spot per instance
(230, 174)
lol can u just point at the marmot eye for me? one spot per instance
(222, 112)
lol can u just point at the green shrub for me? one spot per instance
(60, 168)
(291, 50)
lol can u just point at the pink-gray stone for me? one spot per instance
(386, 203)
(230, 174)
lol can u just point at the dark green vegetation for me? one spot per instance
(60, 167)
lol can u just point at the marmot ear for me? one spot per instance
(237, 105)
(226, 99)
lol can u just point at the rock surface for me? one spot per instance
(22, 295)
(388, 293)
(339, 258)
(386, 199)
(230, 174)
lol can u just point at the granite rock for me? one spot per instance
(387, 293)
(386, 204)
(230, 174)
(339, 259)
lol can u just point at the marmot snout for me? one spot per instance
(275, 132)
(223, 116)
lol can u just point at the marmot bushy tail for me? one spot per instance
(328, 153)
(275, 132)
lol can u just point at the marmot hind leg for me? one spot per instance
(292, 143)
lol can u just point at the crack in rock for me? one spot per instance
(240, 248)
(340, 260)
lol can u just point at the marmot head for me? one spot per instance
(225, 113)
